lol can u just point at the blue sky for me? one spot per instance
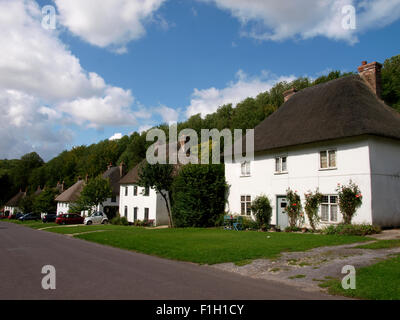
(180, 58)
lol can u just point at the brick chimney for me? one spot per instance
(371, 74)
(121, 169)
(289, 93)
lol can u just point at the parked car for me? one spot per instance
(96, 218)
(19, 215)
(28, 217)
(49, 217)
(69, 218)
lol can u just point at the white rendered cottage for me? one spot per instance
(322, 136)
(137, 203)
(12, 206)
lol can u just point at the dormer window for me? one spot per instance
(281, 164)
(327, 159)
(245, 169)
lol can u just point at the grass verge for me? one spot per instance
(380, 281)
(205, 246)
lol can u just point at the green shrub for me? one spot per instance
(250, 224)
(198, 196)
(262, 209)
(120, 221)
(292, 229)
(351, 229)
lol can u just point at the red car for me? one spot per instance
(70, 218)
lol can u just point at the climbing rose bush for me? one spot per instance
(294, 209)
(313, 201)
(350, 198)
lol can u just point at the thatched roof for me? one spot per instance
(341, 108)
(15, 201)
(72, 194)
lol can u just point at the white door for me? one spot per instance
(283, 221)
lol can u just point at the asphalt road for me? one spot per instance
(87, 270)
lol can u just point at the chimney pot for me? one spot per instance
(289, 93)
(371, 74)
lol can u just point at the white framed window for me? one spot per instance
(245, 205)
(330, 209)
(245, 169)
(327, 159)
(135, 190)
(281, 164)
(126, 191)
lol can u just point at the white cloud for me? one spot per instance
(207, 101)
(168, 115)
(144, 128)
(280, 20)
(108, 23)
(116, 136)
(49, 84)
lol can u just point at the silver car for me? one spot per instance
(96, 218)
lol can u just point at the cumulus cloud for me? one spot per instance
(207, 101)
(108, 23)
(116, 136)
(43, 85)
(280, 20)
(168, 115)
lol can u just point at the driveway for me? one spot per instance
(86, 270)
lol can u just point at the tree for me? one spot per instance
(159, 177)
(26, 204)
(198, 195)
(262, 209)
(313, 201)
(96, 191)
(350, 198)
(45, 202)
(391, 82)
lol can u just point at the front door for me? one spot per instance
(282, 217)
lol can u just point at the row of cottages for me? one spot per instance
(13, 205)
(110, 207)
(320, 137)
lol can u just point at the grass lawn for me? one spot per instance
(205, 246)
(380, 281)
(382, 244)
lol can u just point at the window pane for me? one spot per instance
(333, 199)
(248, 168)
(243, 208)
(243, 168)
(242, 198)
(284, 164)
(277, 165)
(325, 199)
(248, 209)
(334, 210)
(332, 158)
(323, 160)
(324, 212)
(248, 198)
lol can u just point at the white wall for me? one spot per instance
(155, 203)
(385, 169)
(304, 174)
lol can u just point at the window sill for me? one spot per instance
(245, 176)
(281, 173)
(327, 169)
